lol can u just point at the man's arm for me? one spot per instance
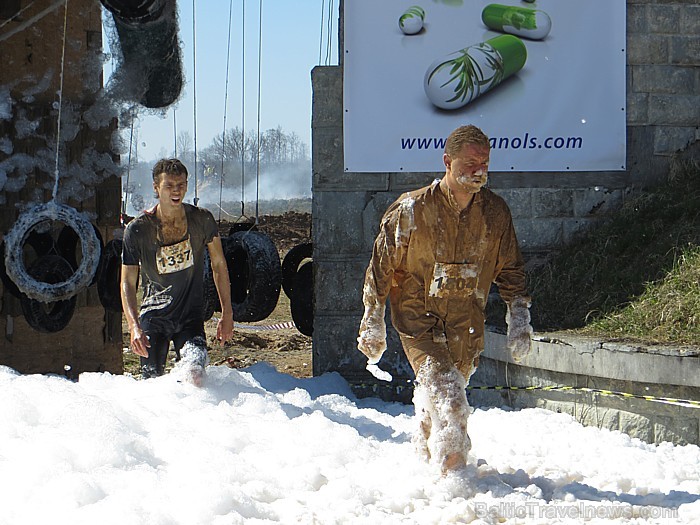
(389, 249)
(128, 284)
(224, 329)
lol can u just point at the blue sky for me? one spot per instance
(295, 38)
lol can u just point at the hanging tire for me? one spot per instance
(17, 237)
(41, 243)
(210, 299)
(256, 275)
(151, 67)
(302, 300)
(109, 274)
(53, 316)
(290, 265)
(67, 244)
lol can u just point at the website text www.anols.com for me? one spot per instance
(524, 142)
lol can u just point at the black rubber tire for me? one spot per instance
(54, 316)
(109, 274)
(41, 243)
(256, 275)
(151, 53)
(302, 300)
(290, 265)
(67, 245)
(210, 298)
(17, 236)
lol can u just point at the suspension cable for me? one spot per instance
(257, 174)
(60, 101)
(223, 136)
(194, 96)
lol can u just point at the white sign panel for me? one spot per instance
(544, 80)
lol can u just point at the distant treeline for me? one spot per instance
(278, 170)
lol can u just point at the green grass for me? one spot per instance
(634, 277)
(668, 311)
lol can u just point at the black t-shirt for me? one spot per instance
(171, 275)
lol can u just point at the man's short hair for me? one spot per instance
(463, 136)
(169, 167)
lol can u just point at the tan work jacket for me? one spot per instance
(436, 264)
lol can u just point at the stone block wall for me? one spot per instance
(549, 209)
(584, 363)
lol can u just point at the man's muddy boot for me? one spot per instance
(453, 462)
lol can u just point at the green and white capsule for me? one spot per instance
(454, 80)
(520, 21)
(411, 22)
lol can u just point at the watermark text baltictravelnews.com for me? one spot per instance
(581, 509)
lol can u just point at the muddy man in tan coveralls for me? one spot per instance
(438, 250)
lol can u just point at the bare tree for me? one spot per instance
(184, 144)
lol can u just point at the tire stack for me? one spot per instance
(255, 273)
(298, 284)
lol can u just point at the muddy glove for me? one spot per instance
(372, 339)
(519, 328)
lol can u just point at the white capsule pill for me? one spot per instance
(520, 21)
(411, 21)
(454, 80)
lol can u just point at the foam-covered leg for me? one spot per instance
(194, 359)
(443, 390)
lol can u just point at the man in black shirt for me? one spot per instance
(168, 243)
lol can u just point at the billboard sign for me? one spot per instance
(544, 80)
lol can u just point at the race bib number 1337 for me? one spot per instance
(170, 259)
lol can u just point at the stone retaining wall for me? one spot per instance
(565, 360)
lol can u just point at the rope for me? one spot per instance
(223, 137)
(174, 134)
(60, 101)
(257, 175)
(17, 14)
(320, 38)
(194, 96)
(128, 169)
(329, 28)
(243, 109)
(32, 20)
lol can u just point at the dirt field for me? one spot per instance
(286, 349)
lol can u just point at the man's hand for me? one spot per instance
(372, 338)
(519, 328)
(139, 341)
(224, 328)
